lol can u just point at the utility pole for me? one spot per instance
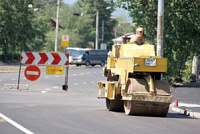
(160, 26)
(97, 30)
(102, 31)
(57, 25)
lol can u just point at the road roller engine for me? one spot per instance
(134, 82)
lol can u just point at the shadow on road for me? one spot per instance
(175, 115)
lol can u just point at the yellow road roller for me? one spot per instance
(134, 83)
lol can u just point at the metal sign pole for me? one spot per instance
(66, 78)
(20, 65)
(65, 87)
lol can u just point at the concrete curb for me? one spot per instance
(186, 112)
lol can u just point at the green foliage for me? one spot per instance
(188, 71)
(89, 8)
(30, 28)
(19, 30)
(181, 28)
(123, 26)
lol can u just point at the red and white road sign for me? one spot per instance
(32, 72)
(35, 58)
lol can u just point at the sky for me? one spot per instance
(70, 2)
(117, 12)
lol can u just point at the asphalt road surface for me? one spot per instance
(47, 109)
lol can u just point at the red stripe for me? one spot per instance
(30, 59)
(67, 63)
(44, 58)
(56, 58)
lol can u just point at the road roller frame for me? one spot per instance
(134, 81)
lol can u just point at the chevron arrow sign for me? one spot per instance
(35, 58)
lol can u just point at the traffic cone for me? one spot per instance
(176, 103)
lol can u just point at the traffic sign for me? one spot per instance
(65, 40)
(35, 58)
(54, 70)
(32, 72)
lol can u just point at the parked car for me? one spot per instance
(90, 57)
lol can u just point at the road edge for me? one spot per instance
(186, 112)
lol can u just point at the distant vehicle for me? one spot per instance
(71, 51)
(90, 57)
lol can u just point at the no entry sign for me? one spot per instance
(32, 72)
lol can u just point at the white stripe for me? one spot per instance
(25, 58)
(153, 98)
(188, 105)
(32, 72)
(37, 58)
(63, 59)
(168, 99)
(16, 124)
(50, 58)
(162, 99)
(157, 99)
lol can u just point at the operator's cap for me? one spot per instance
(139, 29)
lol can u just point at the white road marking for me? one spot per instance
(13, 79)
(43, 91)
(46, 77)
(47, 89)
(16, 124)
(92, 82)
(88, 73)
(55, 87)
(81, 73)
(84, 82)
(75, 83)
(74, 74)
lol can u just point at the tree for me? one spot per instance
(19, 28)
(123, 26)
(89, 7)
(181, 28)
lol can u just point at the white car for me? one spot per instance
(71, 51)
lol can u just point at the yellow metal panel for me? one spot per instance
(131, 50)
(111, 62)
(58, 70)
(125, 64)
(118, 90)
(101, 89)
(161, 65)
(149, 98)
(110, 90)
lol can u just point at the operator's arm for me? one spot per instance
(133, 38)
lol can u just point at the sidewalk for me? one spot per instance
(188, 98)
